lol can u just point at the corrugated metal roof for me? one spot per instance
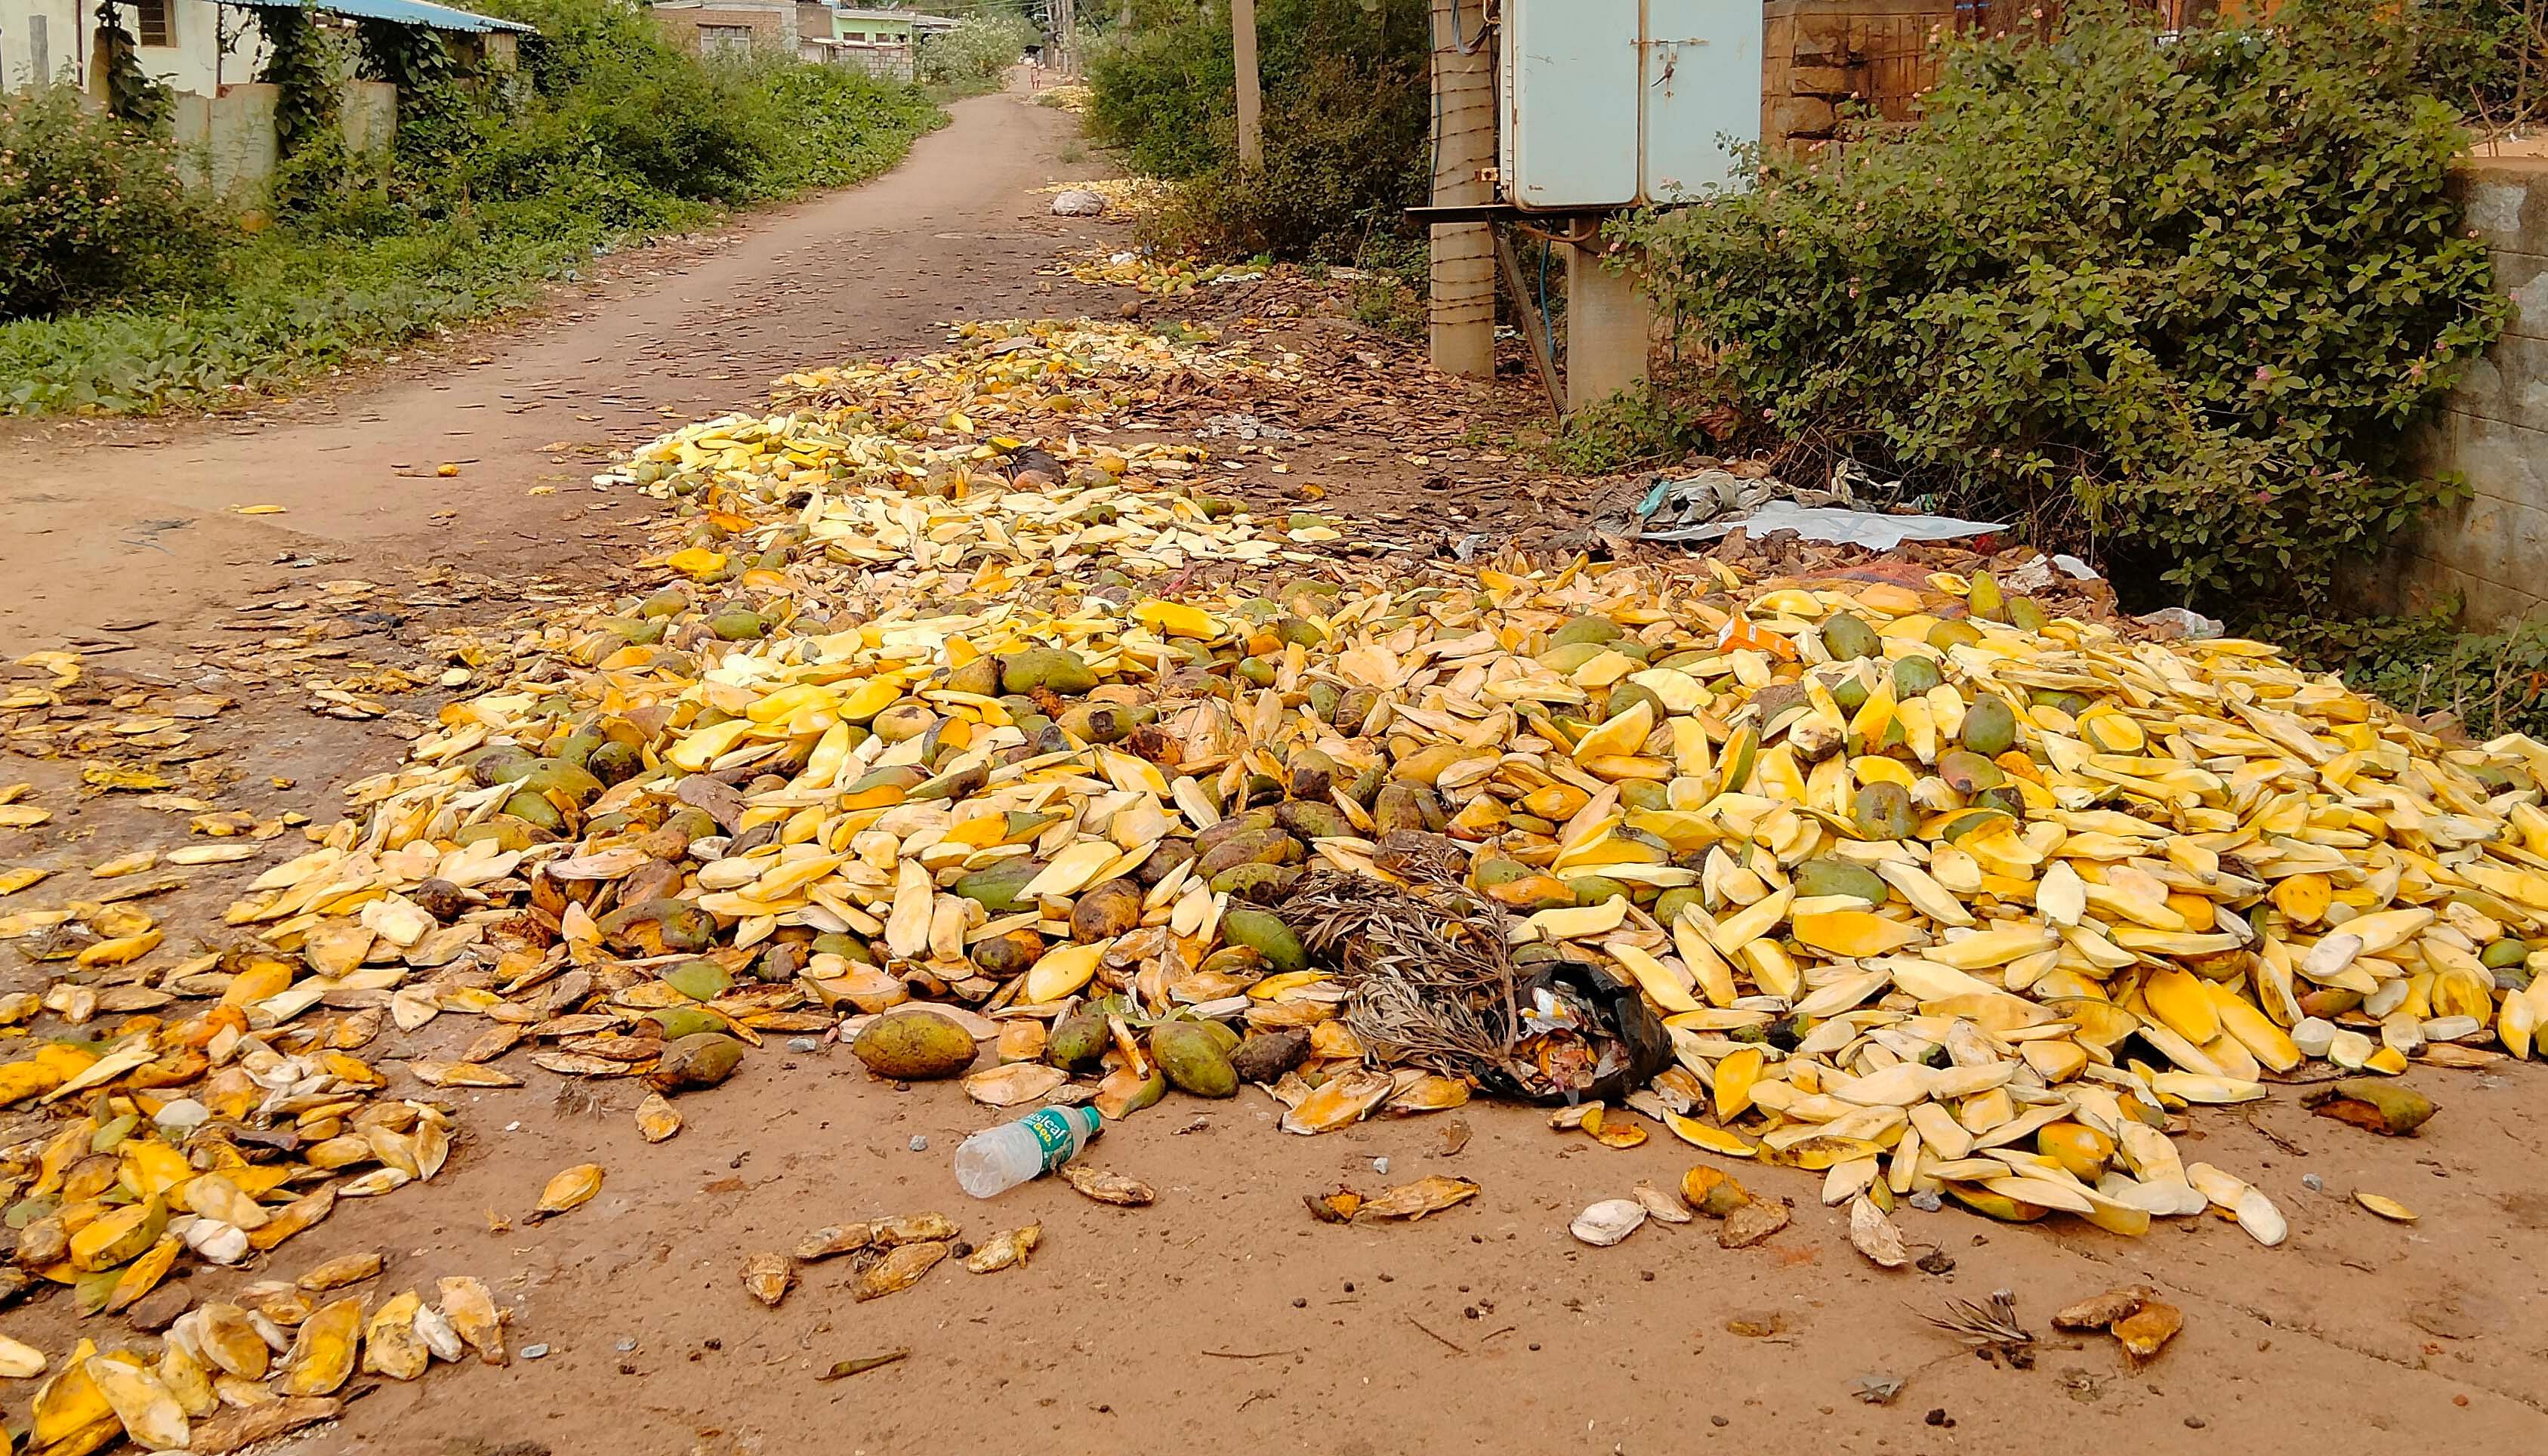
(402, 12)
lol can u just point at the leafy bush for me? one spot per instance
(610, 135)
(90, 209)
(2481, 56)
(1161, 94)
(2177, 300)
(1631, 429)
(2494, 683)
(836, 125)
(293, 306)
(1346, 125)
(977, 54)
(1390, 297)
(612, 104)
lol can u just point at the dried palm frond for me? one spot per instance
(1429, 978)
(575, 1099)
(1991, 1327)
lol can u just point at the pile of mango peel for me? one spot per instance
(997, 755)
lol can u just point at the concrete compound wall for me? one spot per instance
(229, 141)
(368, 116)
(2490, 551)
(233, 135)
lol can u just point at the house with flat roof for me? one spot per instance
(883, 43)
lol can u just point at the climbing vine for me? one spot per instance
(132, 95)
(432, 110)
(302, 62)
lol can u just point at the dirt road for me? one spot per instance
(112, 523)
(1222, 1319)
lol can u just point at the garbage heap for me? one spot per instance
(1912, 881)
(1943, 891)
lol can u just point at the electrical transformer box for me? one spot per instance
(1613, 103)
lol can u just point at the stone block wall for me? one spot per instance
(2490, 551)
(1819, 56)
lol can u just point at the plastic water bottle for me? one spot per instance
(997, 1160)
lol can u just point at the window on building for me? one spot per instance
(854, 37)
(725, 40)
(152, 28)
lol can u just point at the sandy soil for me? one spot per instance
(1224, 1317)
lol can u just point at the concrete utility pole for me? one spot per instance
(1610, 326)
(1463, 325)
(1251, 98)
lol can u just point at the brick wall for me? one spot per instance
(772, 26)
(2491, 551)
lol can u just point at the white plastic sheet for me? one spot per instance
(1875, 531)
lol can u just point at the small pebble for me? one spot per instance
(803, 1043)
(2196, 1423)
(1380, 1165)
(534, 1352)
(1300, 1304)
(919, 1143)
(626, 1344)
(2312, 1182)
(1718, 1420)
(1927, 1202)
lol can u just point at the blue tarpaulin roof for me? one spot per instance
(401, 12)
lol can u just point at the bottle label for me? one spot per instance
(1052, 1129)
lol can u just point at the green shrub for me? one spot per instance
(2178, 302)
(90, 209)
(2480, 55)
(2494, 683)
(293, 306)
(836, 125)
(610, 134)
(1631, 429)
(1390, 297)
(1163, 94)
(977, 54)
(1347, 112)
